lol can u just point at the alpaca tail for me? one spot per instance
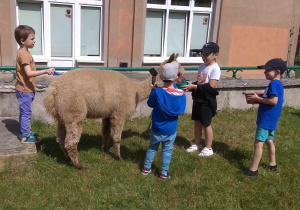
(49, 101)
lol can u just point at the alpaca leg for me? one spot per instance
(116, 131)
(73, 131)
(60, 137)
(105, 133)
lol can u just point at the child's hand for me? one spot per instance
(153, 86)
(253, 97)
(50, 71)
(189, 87)
(201, 79)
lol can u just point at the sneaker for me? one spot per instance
(272, 168)
(194, 148)
(166, 176)
(250, 173)
(146, 171)
(206, 152)
(31, 133)
(29, 139)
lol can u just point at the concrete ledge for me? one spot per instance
(13, 154)
(17, 158)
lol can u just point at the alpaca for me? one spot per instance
(91, 93)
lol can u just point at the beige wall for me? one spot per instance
(7, 26)
(252, 32)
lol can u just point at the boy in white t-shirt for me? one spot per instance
(204, 98)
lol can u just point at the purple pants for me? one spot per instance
(25, 100)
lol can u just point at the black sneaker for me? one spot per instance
(271, 168)
(165, 176)
(250, 173)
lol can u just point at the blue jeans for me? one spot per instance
(167, 146)
(25, 100)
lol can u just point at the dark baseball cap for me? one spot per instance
(276, 63)
(210, 47)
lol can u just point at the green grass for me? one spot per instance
(202, 183)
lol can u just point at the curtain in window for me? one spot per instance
(203, 3)
(176, 33)
(153, 33)
(61, 31)
(156, 2)
(90, 31)
(199, 33)
(30, 14)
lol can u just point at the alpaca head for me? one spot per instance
(172, 58)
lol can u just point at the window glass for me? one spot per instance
(153, 33)
(176, 33)
(30, 14)
(90, 31)
(61, 31)
(203, 3)
(199, 33)
(156, 2)
(180, 2)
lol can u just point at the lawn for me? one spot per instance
(203, 183)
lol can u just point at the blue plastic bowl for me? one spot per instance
(181, 85)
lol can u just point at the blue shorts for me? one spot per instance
(264, 134)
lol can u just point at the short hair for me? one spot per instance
(22, 32)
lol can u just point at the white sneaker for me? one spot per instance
(194, 148)
(206, 152)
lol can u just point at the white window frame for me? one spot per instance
(46, 30)
(191, 9)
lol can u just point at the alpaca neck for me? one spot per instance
(143, 89)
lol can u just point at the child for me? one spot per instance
(269, 112)
(167, 102)
(25, 84)
(204, 98)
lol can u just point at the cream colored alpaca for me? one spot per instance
(91, 93)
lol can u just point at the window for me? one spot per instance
(67, 31)
(30, 14)
(176, 26)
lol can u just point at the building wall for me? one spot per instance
(253, 32)
(249, 32)
(7, 26)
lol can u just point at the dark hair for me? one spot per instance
(22, 32)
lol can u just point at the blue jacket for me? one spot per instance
(166, 108)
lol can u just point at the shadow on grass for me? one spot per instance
(235, 155)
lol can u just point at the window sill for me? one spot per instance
(89, 61)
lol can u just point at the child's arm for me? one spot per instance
(30, 73)
(213, 83)
(269, 101)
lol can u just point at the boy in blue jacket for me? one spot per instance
(167, 102)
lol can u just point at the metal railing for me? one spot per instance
(234, 70)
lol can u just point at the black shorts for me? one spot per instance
(202, 112)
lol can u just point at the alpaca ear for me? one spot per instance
(176, 56)
(172, 58)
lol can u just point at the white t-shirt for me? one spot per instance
(210, 72)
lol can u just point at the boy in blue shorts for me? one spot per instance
(269, 111)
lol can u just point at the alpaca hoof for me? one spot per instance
(81, 168)
(117, 158)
